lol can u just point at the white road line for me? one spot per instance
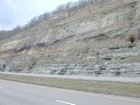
(64, 102)
(1, 86)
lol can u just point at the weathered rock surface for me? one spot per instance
(86, 43)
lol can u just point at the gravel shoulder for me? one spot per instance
(130, 89)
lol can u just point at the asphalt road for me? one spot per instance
(14, 93)
(78, 77)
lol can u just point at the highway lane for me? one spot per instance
(14, 93)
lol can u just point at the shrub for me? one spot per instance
(131, 38)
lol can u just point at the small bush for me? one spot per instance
(131, 38)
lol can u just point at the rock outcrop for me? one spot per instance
(92, 41)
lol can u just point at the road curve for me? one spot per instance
(14, 93)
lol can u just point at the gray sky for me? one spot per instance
(19, 12)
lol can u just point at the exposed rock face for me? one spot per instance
(86, 43)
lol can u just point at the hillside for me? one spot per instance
(91, 41)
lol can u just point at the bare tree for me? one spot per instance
(68, 8)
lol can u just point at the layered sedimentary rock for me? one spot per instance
(90, 41)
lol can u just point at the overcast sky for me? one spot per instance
(19, 12)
